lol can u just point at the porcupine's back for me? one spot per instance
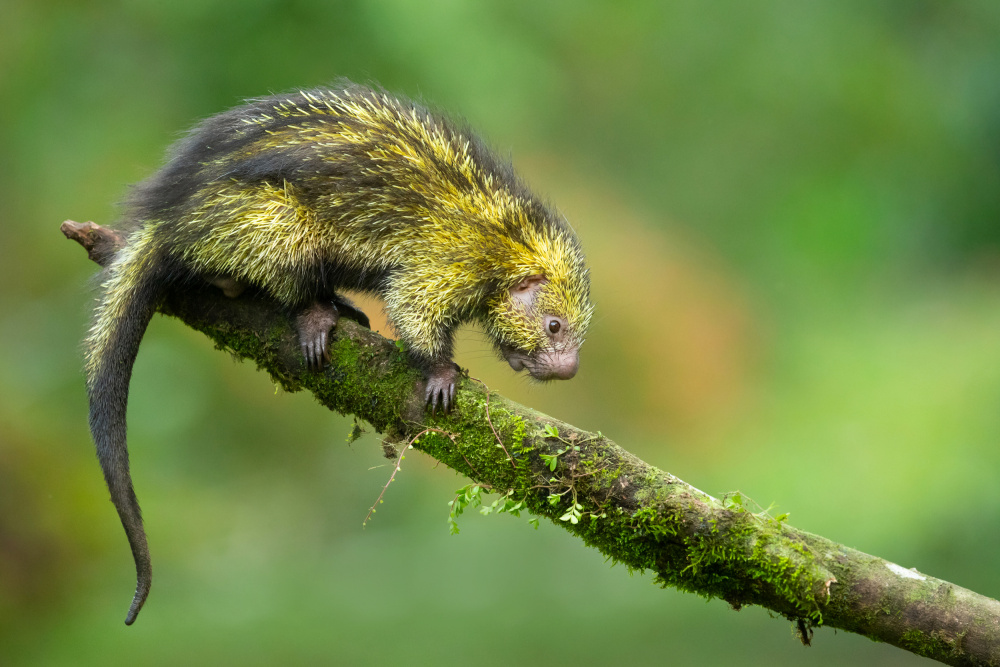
(391, 176)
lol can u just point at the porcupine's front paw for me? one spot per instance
(441, 380)
(314, 325)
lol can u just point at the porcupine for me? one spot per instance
(303, 194)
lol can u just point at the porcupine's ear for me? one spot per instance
(528, 282)
(524, 291)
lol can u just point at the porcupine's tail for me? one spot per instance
(132, 288)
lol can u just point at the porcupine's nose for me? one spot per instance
(556, 365)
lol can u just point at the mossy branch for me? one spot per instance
(632, 512)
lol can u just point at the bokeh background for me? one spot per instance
(791, 210)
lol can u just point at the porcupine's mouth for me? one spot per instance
(545, 364)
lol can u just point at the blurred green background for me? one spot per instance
(791, 210)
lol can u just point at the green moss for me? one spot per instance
(476, 451)
(733, 566)
(919, 594)
(243, 343)
(932, 645)
(731, 556)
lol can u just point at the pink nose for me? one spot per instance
(567, 368)
(559, 366)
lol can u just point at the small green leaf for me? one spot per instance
(551, 460)
(734, 501)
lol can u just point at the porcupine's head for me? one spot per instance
(539, 320)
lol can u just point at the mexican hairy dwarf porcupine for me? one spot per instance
(300, 195)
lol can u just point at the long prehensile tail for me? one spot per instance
(132, 288)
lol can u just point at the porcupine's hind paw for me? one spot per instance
(314, 325)
(440, 389)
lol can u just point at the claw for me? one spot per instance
(314, 325)
(440, 390)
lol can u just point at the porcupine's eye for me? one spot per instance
(554, 326)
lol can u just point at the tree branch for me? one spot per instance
(631, 511)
